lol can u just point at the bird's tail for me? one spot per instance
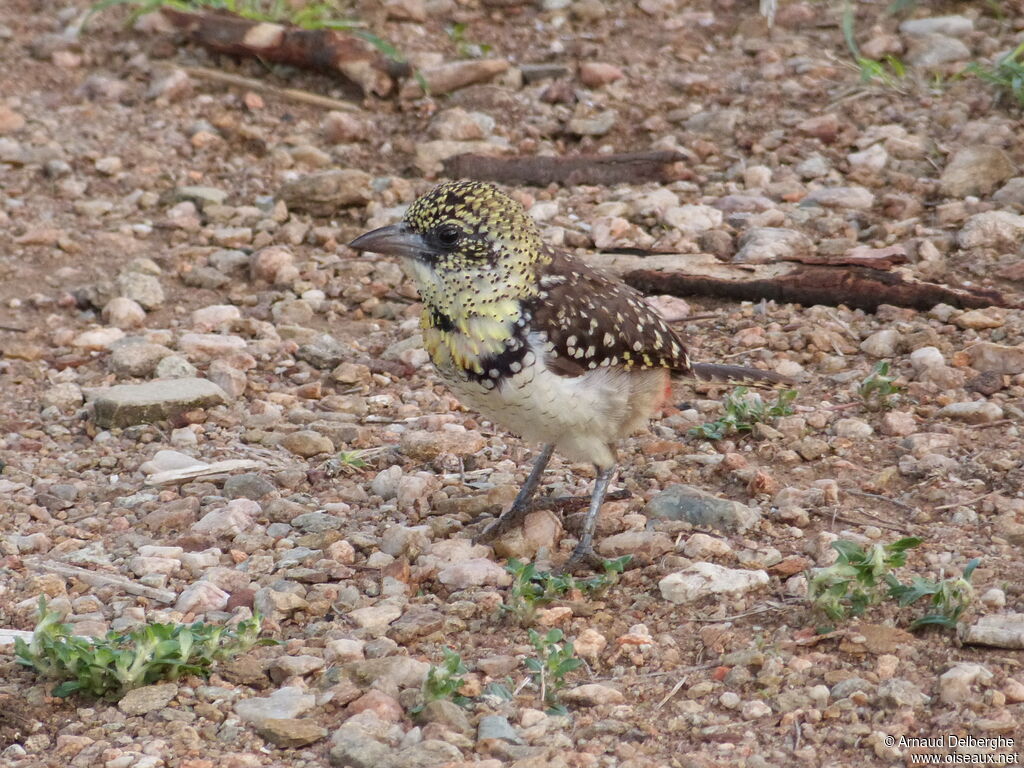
(739, 374)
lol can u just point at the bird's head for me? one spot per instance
(459, 226)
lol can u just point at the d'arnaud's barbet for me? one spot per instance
(534, 339)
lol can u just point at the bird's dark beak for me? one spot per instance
(395, 240)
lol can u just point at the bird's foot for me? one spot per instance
(495, 528)
(582, 557)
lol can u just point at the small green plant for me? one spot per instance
(444, 681)
(531, 589)
(555, 658)
(949, 597)
(878, 390)
(466, 48)
(499, 691)
(887, 71)
(347, 462)
(110, 667)
(742, 412)
(855, 581)
(1007, 74)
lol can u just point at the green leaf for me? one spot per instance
(498, 690)
(65, 689)
(848, 550)
(901, 545)
(934, 620)
(909, 594)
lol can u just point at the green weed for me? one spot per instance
(532, 589)
(743, 412)
(555, 658)
(887, 71)
(855, 581)
(111, 666)
(949, 598)
(1007, 74)
(348, 461)
(466, 48)
(444, 681)
(878, 391)
(861, 578)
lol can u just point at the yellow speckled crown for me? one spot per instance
(481, 211)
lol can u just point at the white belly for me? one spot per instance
(582, 416)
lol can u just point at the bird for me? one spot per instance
(535, 339)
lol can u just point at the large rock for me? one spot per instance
(976, 170)
(956, 684)
(128, 404)
(139, 701)
(934, 50)
(324, 193)
(954, 26)
(290, 732)
(702, 579)
(996, 358)
(992, 229)
(857, 198)
(684, 502)
(283, 704)
(761, 245)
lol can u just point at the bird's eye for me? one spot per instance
(448, 235)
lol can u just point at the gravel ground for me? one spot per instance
(168, 302)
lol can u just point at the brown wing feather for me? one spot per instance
(593, 320)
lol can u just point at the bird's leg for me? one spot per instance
(521, 505)
(584, 551)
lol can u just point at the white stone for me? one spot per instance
(874, 158)
(200, 597)
(592, 695)
(701, 579)
(344, 650)
(98, 338)
(477, 572)
(375, 618)
(953, 25)
(283, 703)
(230, 520)
(164, 461)
(973, 412)
(853, 428)
(926, 357)
(881, 343)
(214, 316)
(701, 546)
(693, 218)
(123, 312)
(992, 229)
(955, 684)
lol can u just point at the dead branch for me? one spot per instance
(97, 579)
(253, 84)
(627, 167)
(323, 50)
(853, 285)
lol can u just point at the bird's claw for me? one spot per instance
(581, 556)
(494, 529)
